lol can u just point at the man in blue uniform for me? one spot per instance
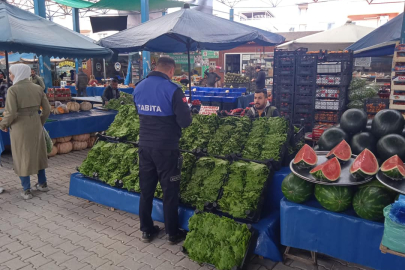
(163, 112)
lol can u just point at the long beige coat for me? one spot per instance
(26, 126)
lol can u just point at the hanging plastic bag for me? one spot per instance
(48, 140)
(394, 233)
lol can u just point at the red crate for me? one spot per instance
(317, 131)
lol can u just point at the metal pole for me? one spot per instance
(231, 14)
(189, 67)
(76, 20)
(7, 69)
(403, 29)
(145, 54)
(105, 72)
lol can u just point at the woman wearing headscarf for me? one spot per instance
(28, 146)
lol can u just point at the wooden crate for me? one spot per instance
(396, 59)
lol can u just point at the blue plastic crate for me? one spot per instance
(229, 99)
(208, 93)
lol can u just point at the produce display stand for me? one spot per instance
(346, 179)
(74, 123)
(341, 235)
(397, 97)
(373, 105)
(268, 228)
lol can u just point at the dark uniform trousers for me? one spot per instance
(163, 166)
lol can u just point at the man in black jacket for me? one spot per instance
(111, 92)
(262, 107)
(163, 111)
(260, 78)
(81, 83)
(212, 77)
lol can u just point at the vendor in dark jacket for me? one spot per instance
(262, 107)
(111, 92)
(212, 77)
(260, 78)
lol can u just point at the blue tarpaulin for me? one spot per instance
(23, 31)
(188, 27)
(340, 235)
(381, 41)
(268, 243)
(74, 124)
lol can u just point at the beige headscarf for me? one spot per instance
(21, 72)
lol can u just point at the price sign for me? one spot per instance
(208, 110)
(399, 79)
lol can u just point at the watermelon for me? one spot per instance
(296, 189)
(334, 198)
(331, 137)
(353, 121)
(362, 141)
(306, 157)
(394, 168)
(391, 145)
(376, 183)
(369, 202)
(341, 151)
(387, 122)
(327, 171)
(364, 165)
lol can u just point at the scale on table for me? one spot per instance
(345, 179)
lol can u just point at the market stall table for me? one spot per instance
(74, 123)
(341, 235)
(268, 243)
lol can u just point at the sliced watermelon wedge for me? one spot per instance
(342, 152)
(306, 157)
(394, 168)
(329, 171)
(364, 165)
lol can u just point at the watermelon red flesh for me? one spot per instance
(369, 202)
(364, 165)
(394, 168)
(306, 157)
(329, 171)
(342, 151)
(296, 189)
(334, 198)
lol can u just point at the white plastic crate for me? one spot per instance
(327, 105)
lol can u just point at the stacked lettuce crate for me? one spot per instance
(284, 81)
(333, 79)
(305, 88)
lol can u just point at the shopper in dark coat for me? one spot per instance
(260, 79)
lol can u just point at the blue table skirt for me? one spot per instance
(340, 235)
(96, 91)
(268, 244)
(74, 123)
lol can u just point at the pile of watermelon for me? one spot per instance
(383, 136)
(367, 200)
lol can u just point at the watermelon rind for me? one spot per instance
(360, 173)
(296, 189)
(369, 202)
(319, 174)
(393, 168)
(342, 157)
(301, 158)
(334, 198)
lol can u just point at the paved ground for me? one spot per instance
(56, 231)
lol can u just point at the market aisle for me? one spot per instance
(57, 231)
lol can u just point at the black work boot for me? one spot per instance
(174, 239)
(147, 237)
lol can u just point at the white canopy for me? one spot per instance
(333, 40)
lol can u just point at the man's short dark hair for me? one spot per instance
(258, 67)
(261, 91)
(166, 63)
(114, 81)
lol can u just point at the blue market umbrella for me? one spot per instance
(188, 30)
(381, 41)
(22, 31)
